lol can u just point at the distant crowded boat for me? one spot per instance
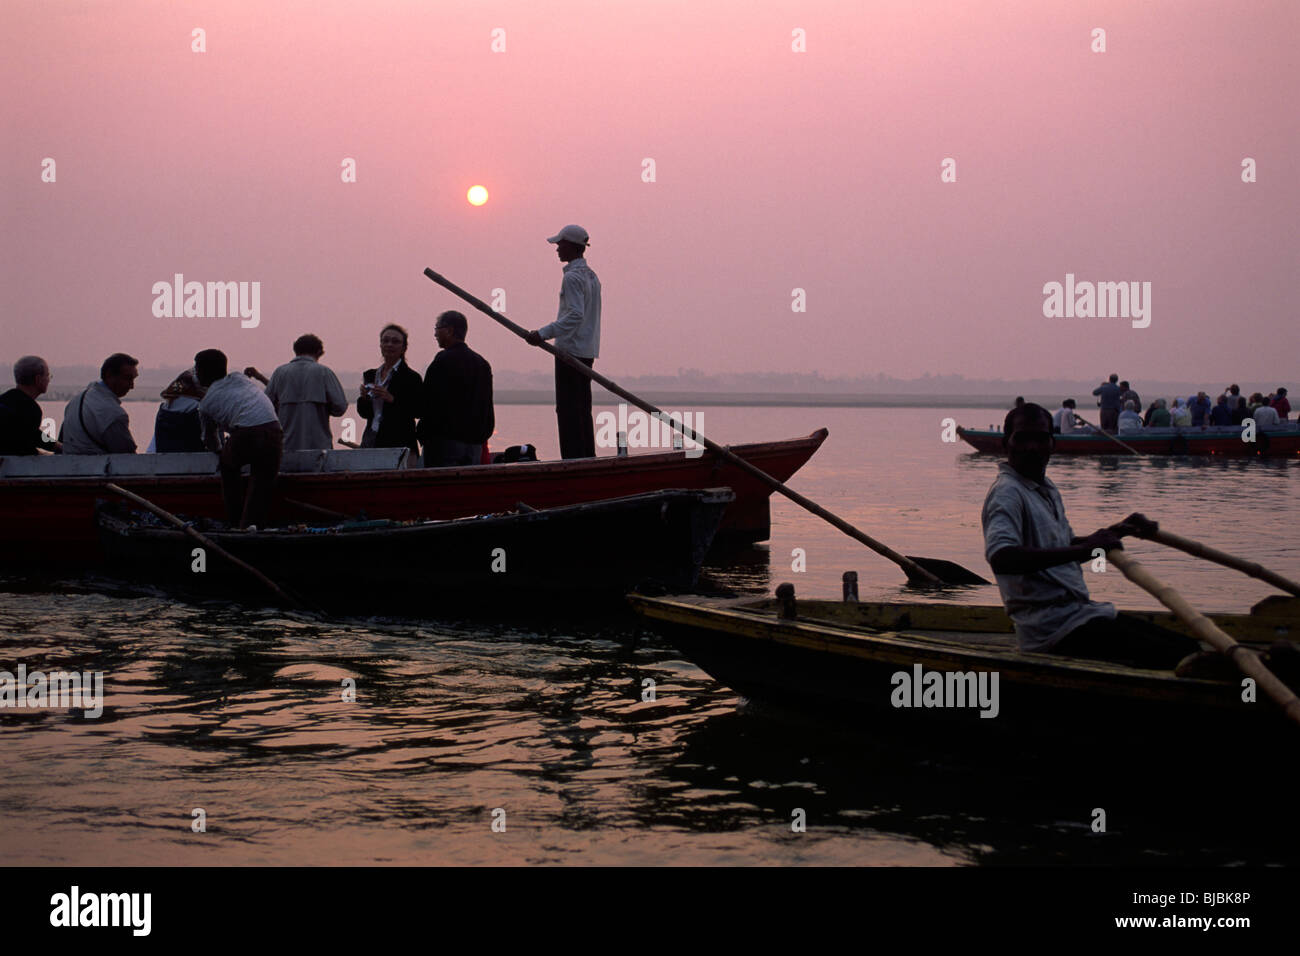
(1208, 440)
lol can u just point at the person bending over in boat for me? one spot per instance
(235, 405)
(1035, 556)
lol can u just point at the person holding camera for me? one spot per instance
(390, 396)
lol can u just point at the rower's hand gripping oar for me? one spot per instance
(917, 572)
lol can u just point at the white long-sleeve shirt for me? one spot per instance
(576, 328)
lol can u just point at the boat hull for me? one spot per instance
(51, 521)
(586, 551)
(836, 669)
(1218, 441)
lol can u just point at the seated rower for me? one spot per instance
(1035, 556)
(1064, 421)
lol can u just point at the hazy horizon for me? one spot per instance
(774, 170)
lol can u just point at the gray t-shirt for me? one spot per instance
(1049, 604)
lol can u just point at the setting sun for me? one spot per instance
(477, 195)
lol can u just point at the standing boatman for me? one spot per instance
(576, 330)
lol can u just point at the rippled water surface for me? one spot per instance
(239, 711)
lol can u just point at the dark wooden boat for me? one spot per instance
(1273, 618)
(845, 658)
(1223, 441)
(584, 551)
(50, 519)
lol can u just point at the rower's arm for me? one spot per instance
(1025, 560)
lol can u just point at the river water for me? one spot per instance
(540, 725)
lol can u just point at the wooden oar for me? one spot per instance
(927, 571)
(1196, 549)
(1205, 629)
(1102, 431)
(203, 540)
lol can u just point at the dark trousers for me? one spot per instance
(259, 447)
(573, 411)
(1127, 640)
(1110, 420)
(449, 453)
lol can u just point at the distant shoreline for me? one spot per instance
(679, 400)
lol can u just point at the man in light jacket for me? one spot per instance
(305, 395)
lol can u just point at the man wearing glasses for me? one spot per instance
(456, 417)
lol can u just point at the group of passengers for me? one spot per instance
(1121, 410)
(207, 407)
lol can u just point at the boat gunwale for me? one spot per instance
(708, 497)
(1018, 667)
(515, 470)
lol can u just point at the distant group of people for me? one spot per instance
(1121, 410)
(449, 411)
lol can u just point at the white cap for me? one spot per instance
(572, 234)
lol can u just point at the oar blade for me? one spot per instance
(949, 572)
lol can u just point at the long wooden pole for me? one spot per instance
(1205, 629)
(1199, 550)
(915, 572)
(202, 539)
(1121, 444)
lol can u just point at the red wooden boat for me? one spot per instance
(1210, 440)
(51, 520)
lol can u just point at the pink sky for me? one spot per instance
(775, 170)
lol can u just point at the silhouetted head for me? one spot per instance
(209, 365)
(119, 373)
(450, 328)
(392, 343)
(32, 375)
(309, 345)
(1027, 438)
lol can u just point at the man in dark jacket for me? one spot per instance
(456, 417)
(20, 416)
(1110, 403)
